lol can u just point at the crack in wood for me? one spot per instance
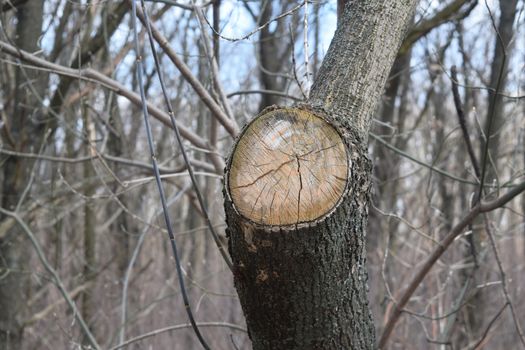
(300, 188)
(298, 147)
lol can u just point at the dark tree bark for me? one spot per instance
(499, 70)
(274, 52)
(25, 135)
(303, 284)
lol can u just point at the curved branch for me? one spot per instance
(448, 13)
(229, 124)
(54, 274)
(94, 76)
(481, 207)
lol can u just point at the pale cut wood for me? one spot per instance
(290, 166)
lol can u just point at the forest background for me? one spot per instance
(84, 252)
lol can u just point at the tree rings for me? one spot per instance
(288, 167)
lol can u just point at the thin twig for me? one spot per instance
(306, 49)
(504, 282)
(174, 124)
(130, 162)
(462, 121)
(214, 125)
(212, 60)
(25, 192)
(40, 315)
(491, 323)
(264, 92)
(480, 207)
(143, 180)
(139, 69)
(294, 66)
(244, 37)
(426, 165)
(54, 274)
(125, 283)
(177, 327)
(181, 5)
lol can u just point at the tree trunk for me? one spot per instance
(24, 129)
(297, 190)
(89, 298)
(476, 310)
(267, 53)
(504, 36)
(387, 166)
(273, 52)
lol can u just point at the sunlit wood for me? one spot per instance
(290, 166)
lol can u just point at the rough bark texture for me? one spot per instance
(304, 286)
(355, 69)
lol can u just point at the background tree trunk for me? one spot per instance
(273, 51)
(89, 303)
(25, 132)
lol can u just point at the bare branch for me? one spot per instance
(54, 274)
(504, 282)
(94, 76)
(491, 323)
(246, 36)
(49, 308)
(447, 14)
(229, 124)
(264, 92)
(416, 280)
(180, 5)
(212, 59)
(131, 162)
(177, 327)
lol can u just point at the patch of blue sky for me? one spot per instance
(239, 59)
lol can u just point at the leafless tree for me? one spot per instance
(85, 258)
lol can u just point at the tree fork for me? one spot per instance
(297, 189)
